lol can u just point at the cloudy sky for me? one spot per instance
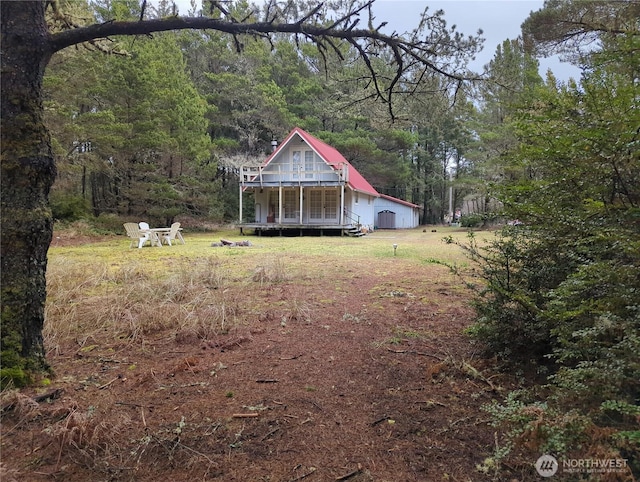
(499, 20)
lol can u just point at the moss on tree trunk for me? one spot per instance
(27, 173)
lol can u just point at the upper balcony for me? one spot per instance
(280, 175)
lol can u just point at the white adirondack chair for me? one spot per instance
(173, 234)
(137, 237)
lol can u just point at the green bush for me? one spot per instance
(569, 310)
(13, 377)
(108, 224)
(68, 207)
(509, 303)
(561, 291)
(471, 220)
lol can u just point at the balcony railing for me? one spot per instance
(271, 176)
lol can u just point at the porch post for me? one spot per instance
(341, 204)
(301, 203)
(280, 204)
(240, 204)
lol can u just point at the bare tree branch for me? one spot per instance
(420, 51)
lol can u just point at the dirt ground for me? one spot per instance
(374, 381)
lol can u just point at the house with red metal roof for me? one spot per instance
(306, 184)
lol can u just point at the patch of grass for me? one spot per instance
(271, 271)
(107, 291)
(298, 310)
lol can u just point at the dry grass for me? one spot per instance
(197, 292)
(131, 301)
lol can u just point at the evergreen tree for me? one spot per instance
(561, 293)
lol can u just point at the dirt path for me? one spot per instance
(364, 377)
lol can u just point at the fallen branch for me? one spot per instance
(431, 402)
(267, 380)
(245, 415)
(311, 471)
(380, 420)
(350, 474)
(269, 434)
(126, 404)
(412, 352)
(230, 244)
(290, 357)
(51, 395)
(106, 385)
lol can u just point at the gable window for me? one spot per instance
(302, 161)
(296, 164)
(308, 164)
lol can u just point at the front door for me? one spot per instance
(291, 206)
(323, 206)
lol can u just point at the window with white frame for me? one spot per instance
(296, 164)
(308, 164)
(291, 210)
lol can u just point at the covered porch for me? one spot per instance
(312, 201)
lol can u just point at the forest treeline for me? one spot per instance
(159, 126)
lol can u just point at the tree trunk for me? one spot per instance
(27, 173)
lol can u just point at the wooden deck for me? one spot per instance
(292, 229)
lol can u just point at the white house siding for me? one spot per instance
(406, 216)
(361, 206)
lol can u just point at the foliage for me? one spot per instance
(561, 290)
(130, 133)
(553, 29)
(508, 302)
(123, 162)
(476, 220)
(13, 376)
(66, 207)
(512, 76)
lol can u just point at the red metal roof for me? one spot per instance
(332, 157)
(399, 201)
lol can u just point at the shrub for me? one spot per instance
(471, 220)
(108, 223)
(68, 207)
(509, 303)
(569, 310)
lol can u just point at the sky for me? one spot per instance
(499, 20)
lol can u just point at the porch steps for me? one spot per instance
(355, 232)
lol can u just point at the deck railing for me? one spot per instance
(352, 218)
(267, 175)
